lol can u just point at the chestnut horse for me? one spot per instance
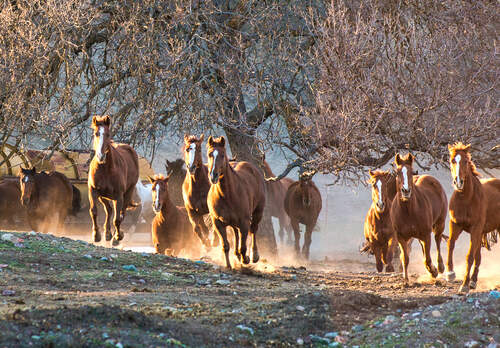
(237, 198)
(171, 230)
(303, 205)
(10, 204)
(113, 174)
(196, 186)
(378, 230)
(474, 207)
(48, 197)
(418, 208)
(276, 192)
(177, 174)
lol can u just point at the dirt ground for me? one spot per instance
(57, 292)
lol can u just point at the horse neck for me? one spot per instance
(168, 208)
(200, 177)
(472, 184)
(110, 158)
(226, 181)
(391, 187)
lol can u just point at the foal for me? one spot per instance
(303, 205)
(237, 198)
(171, 230)
(417, 209)
(474, 207)
(113, 174)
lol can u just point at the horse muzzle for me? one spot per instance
(157, 208)
(458, 184)
(101, 159)
(380, 206)
(214, 178)
(25, 201)
(406, 194)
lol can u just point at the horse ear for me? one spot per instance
(151, 180)
(106, 120)
(94, 121)
(168, 162)
(397, 160)
(467, 147)
(186, 138)
(202, 136)
(222, 141)
(371, 172)
(210, 141)
(33, 169)
(410, 158)
(450, 147)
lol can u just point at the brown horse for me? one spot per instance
(11, 208)
(171, 230)
(196, 186)
(237, 198)
(177, 174)
(474, 207)
(276, 192)
(303, 205)
(418, 208)
(48, 197)
(378, 230)
(113, 174)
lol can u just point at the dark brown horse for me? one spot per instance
(303, 205)
(171, 230)
(418, 208)
(474, 207)
(196, 186)
(113, 174)
(378, 230)
(276, 192)
(237, 198)
(11, 208)
(48, 197)
(177, 173)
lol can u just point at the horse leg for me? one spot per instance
(296, 232)
(107, 222)
(245, 259)
(477, 263)
(254, 226)
(426, 247)
(405, 258)
(237, 241)
(221, 230)
(438, 234)
(118, 207)
(475, 243)
(199, 227)
(96, 235)
(307, 240)
(455, 231)
(388, 255)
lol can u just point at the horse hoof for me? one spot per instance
(450, 276)
(115, 242)
(245, 259)
(441, 267)
(463, 289)
(96, 237)
(472, 284)
(434, 272)
(389, 269)
(255, 257)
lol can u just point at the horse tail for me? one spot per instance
(76, 204)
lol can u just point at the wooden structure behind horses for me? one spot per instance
(474, 207)
(49, 198)
(418, 208)
(276, 192)
(113, 174)
(303, 205)
(237, 198)
(171, 230)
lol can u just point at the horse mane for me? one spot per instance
(459, 146)
(379, 172)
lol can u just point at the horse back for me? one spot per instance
(491, 190)
(130, 161)
(295, 208)
(433, 191)
(251, 182)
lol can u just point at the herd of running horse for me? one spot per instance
(405, 206)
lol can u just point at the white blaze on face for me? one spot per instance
(191, 153)
(404, 170)
(26, 179)
(157, 200)
(379, 188)
(457, 167)
(101, 142)
(214, 155)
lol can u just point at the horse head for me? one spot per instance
(27, 184)
(192, 152)
(306, 186)
(461, 165)
(404, 178)
(174, 167)
(217, 158)
(159, 191)
(102, 137)
(379, 182)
